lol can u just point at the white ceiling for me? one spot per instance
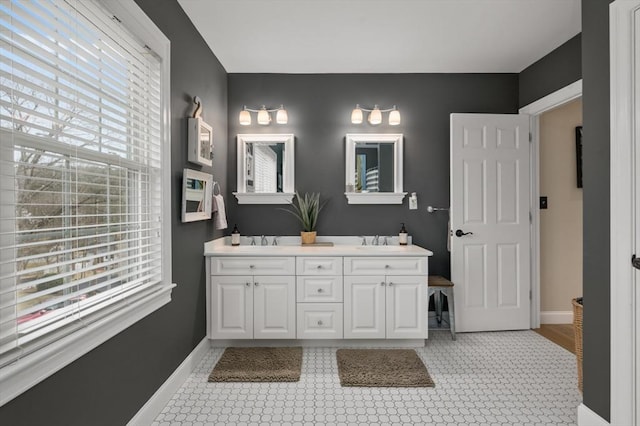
(382, 36)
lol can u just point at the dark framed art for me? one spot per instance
(579, 156)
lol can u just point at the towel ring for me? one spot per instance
(216, 185)
(431, 209)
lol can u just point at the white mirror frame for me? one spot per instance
(288, 170)
(394, 197)
(208, 193)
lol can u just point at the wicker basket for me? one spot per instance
(577, 328)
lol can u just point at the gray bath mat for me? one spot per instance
(382, 368)
(258, 365)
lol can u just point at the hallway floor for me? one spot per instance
(499, 378)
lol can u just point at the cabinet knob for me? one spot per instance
(248, 284)
(252, 266)
(387, 266)
(390, 283)
(256, 284)
(320, 290)
(382, 283)
(320, 322)
(319, 266)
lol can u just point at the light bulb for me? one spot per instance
(281, 116)
(245, 118)
(394, 117)
(263, 117)
(356, 115)
(376, 116)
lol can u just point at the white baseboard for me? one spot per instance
(586, 417)
(150, 410)
(556, 317)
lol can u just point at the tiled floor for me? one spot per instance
(500, 378)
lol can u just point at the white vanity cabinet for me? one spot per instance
(260, 306)
(385, 306)
(319, 295)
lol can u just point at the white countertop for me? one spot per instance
(290, 246)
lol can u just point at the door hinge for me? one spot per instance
(530, 137)
(530, 218)
(529, 294)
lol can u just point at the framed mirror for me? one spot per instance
(374, 168)
(265, 169)
(200, 142)
(197, 189)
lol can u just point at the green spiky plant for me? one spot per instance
(306, 209)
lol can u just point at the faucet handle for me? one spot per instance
(385, 242)
(253, 240)
(275, 241)
(364, 240)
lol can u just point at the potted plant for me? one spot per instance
(306, 209)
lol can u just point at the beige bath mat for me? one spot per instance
(258, 365)
(382, 368)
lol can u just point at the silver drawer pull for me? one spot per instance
(320, 290)
(387, 266)
(320, 322)
(256, 284)
(319, 266)
(248, 284)
(252, 266)
(382, 283)
(390, 283)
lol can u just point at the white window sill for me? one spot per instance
(264, 198)
(375, 197)
(28, 371)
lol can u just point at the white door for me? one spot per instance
(406, 307)
(364, 307)
(274, 306)
(490, 241)
(232, 303)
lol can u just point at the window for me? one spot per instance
(84, 167)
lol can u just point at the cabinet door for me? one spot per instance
(274, 307)
(232, 307)
(406, 310)
(364, 310)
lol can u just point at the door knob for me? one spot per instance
(460, 233)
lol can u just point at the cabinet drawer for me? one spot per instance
(319, 265)
(385, 265)
(319, 289)
(253, 265)
(319, 321)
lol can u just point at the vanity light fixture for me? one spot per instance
(264, 115)
(375, 115)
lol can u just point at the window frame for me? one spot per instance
(36, 366)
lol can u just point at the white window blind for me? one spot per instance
(81, 156)
(266, 166)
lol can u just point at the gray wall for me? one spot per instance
(110, 384)
(319, 109)
(596, 219)
(554, 71)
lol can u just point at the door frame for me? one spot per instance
(623, 124)
(535, 110)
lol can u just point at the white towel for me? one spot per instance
(449, 231)
(217, 206)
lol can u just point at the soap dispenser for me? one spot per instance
(235, 236)
(403, 236)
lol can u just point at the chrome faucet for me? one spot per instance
(376, 241)
(264, 241)
(253, 241)
(275, 241)
(364, 240)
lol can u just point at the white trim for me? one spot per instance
(32, 369)
(154, 406)
(554, 100)
(375, 197)
(556, 317)
(623, 123)
(321, 343)
(535, 109)
(264, 198)
(586, 417)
